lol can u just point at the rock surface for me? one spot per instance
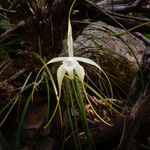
(119, 54)
(105, 38)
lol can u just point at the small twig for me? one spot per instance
(20, 72)
(145, 10)
(141, 19)
(103, 12)
(125, 8)
(4, 119)
(103, 3)
(14, 76)
(142, 37)
(7, 10)
(20, 23)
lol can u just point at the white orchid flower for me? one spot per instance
(69, 64)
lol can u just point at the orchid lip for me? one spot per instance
(69, 62)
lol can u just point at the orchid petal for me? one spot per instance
(80, 72)
(88, 61)
(70, 71)
(57, 59)
(60, 75)
(70, 40)
(69, 64)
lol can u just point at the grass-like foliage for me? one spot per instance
(70, 76)
(74, 92)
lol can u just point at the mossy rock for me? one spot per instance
(118, 56)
